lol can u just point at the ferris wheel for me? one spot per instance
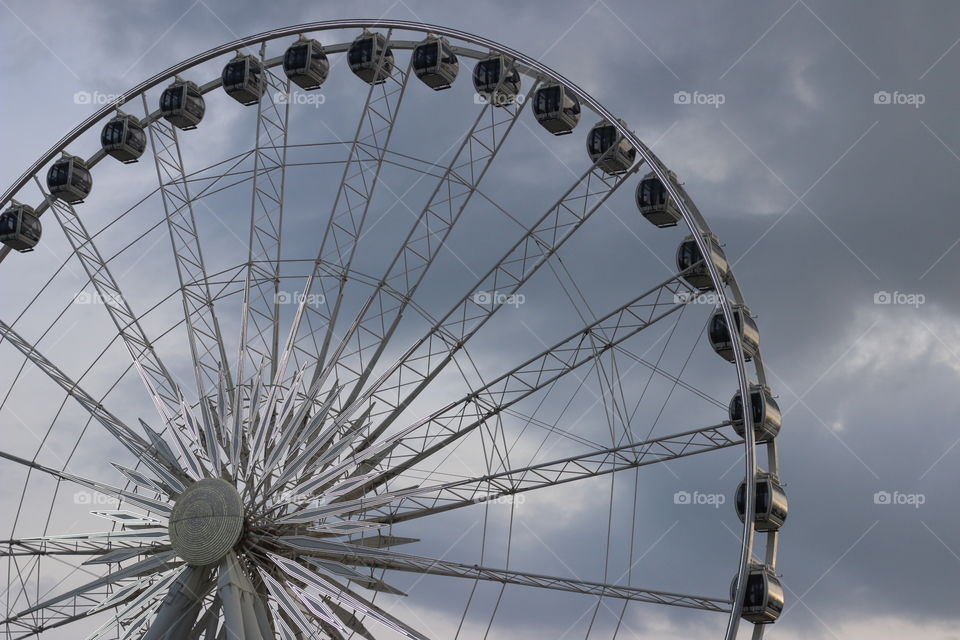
(390, 371)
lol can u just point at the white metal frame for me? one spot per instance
(196, 437)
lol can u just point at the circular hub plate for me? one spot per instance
(206, 522)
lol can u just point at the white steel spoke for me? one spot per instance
(338, 245)
(449, 424)
(203, 329)
(99, 552)
(331, 589)
(403, 381)
(156, 377)
(69, 599)
(170, 473)
(260, 326)
(461, 493)
(286, 602)
(380, 315)
(120, 494)
(389, 560)
(139, 601)
(474, 572)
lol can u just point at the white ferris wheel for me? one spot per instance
(387, 374)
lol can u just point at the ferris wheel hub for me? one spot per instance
(206, 522)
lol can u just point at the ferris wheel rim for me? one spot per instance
(692, 217)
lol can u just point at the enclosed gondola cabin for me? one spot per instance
(69, 179)
(244, 80)
(435, 63)
(609, 149)
(747, 332)
(767, 418)
(182, 104)
(123, 138)
(497, 80)
(770, 503)
(655, 202)
(305, 64)
(763, 598)
(689, 257)
(370, 58)
(556, 108)
(20, 227)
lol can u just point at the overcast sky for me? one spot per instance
(824, 154)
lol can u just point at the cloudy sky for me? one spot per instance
(819, 142)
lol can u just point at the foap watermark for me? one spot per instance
(698, 98)
(901, 499)
(516, 499)
(297, 297)
(94, 498)
(95, 97)
(499, 298)
(297, 98)
(696, 297)
(700, 499)
(295, 496)
(498, 99)
(86, 297)
(899, 98)
(899, 298)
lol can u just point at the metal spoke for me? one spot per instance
(331, 589)
(139, 600)
(120, 494)
(260, 326)
(69, 600)
(426, 501)
(170, 473)
(99, 552)
(379, 559)
(416, 502)
(156, 377)
(203, 329)
(405, 379)
(380, 315)
(361, 176)
(433, 433)
(67, 613)
(286, 602)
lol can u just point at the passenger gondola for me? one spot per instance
(370, 57)
(747, 332)
(609, 149)
(689, 257)
(182, 104)
(123, 138)
(767, 418)
(69, 179)
(435, 63)
(244, 79)
(763, 598)
(20, 227)
(655, 202)
(556, 108)
(497, 80)
(770, 503)
(305, 64)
